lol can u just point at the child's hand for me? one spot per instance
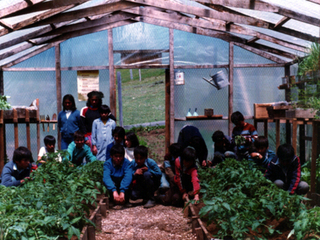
(138, 171)
(25, 179)
(185, 196)
(196, 199)
(116, 196)
(94, 150)
(121, 197)
(144, 169)
(204, 163)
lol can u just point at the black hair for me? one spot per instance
(141, 150)
(49, 139)
(97, 94)
(71, 99)
(175, 149)
(285, 152)
(120, 131)
(117, 149)
(132, 137)
(189, 154)
(236, 117)
(104, 109)
(78, 135)
(217, 136)
(261, 142)
(21, 153)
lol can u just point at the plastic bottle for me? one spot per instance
(189, 113)
(195, 113)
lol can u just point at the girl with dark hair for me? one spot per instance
(90, 113)
(130, 141)
(68, 120)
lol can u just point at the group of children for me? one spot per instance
(128, 173)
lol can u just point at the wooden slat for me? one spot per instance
(230, 87)
(200, 12)
(314, 1)
(15, 126)
(17, 7)
(277, 133)
(15, 50)
(1, 83)
(58, 85)
(281, 22)
(87, 12)
(112, 88)
(167, 109)
(27, 120)
(2, 142)
(29, 55)
(171, 70)
(38, 124)
(261, 53)
(314, 156)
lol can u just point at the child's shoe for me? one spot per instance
(149, 204)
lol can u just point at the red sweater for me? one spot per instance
(193, 172)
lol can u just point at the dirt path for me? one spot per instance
(160, 222)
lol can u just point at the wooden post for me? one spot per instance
(314, 156)
(38, 124)
(167, 110)
(302, 142)
(131, 74)
(27, 120)
(2, 145)
(277, 133)
(58, 86)
(294, 135)
(113, 97)
(1, 83)
(230, 97)
(120, 98)
(171, 68)
(16, 129)
(288, 99)
(139, 74)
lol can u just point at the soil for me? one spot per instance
(157, 223)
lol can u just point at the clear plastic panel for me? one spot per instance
(45, 59)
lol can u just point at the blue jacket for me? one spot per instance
(68, 126)
(124, 171)
(290, 175)
(151, 165)
(77, 155)
(264, 162)
(11, 176)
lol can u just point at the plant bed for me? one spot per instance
(54, 204)
(239, 202)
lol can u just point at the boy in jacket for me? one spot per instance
(285, 171)
(117, 175)
(146, 177)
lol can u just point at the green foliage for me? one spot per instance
(240, 140)
(53, 204)
(4, 105)
(311, 61)
(238, 197)
(306, 174)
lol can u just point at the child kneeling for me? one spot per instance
(117, 175)
(285, 171)
(186, 177)
(146, 177)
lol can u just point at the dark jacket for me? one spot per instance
(290, 175)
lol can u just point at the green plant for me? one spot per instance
(239, 140)
(53, 204)
(238, 197)
(4, 105)
(311, 62)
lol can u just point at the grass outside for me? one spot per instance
(142, 101)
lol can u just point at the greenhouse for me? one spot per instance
(255, 48)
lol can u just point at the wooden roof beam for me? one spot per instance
(17, 7)
(82, 13)
(263, 6)
(201, 12)
(121, 16)
(315, 1)
(16, 50)
(29, 55)
(260, 53)
(281, 22)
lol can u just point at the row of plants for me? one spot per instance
(241, 202)
(54, 203)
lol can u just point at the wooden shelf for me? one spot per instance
(203, 117)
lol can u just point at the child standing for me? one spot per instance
(146, 177)
(17, 171)
(285, 171)
(69, 120)
(186, 177)
(118, 138)
(117, 175)
(78, 150)
(102, 133)
(49, 147)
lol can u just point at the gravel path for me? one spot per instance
(157, 223)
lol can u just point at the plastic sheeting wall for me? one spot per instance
(251, 85)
